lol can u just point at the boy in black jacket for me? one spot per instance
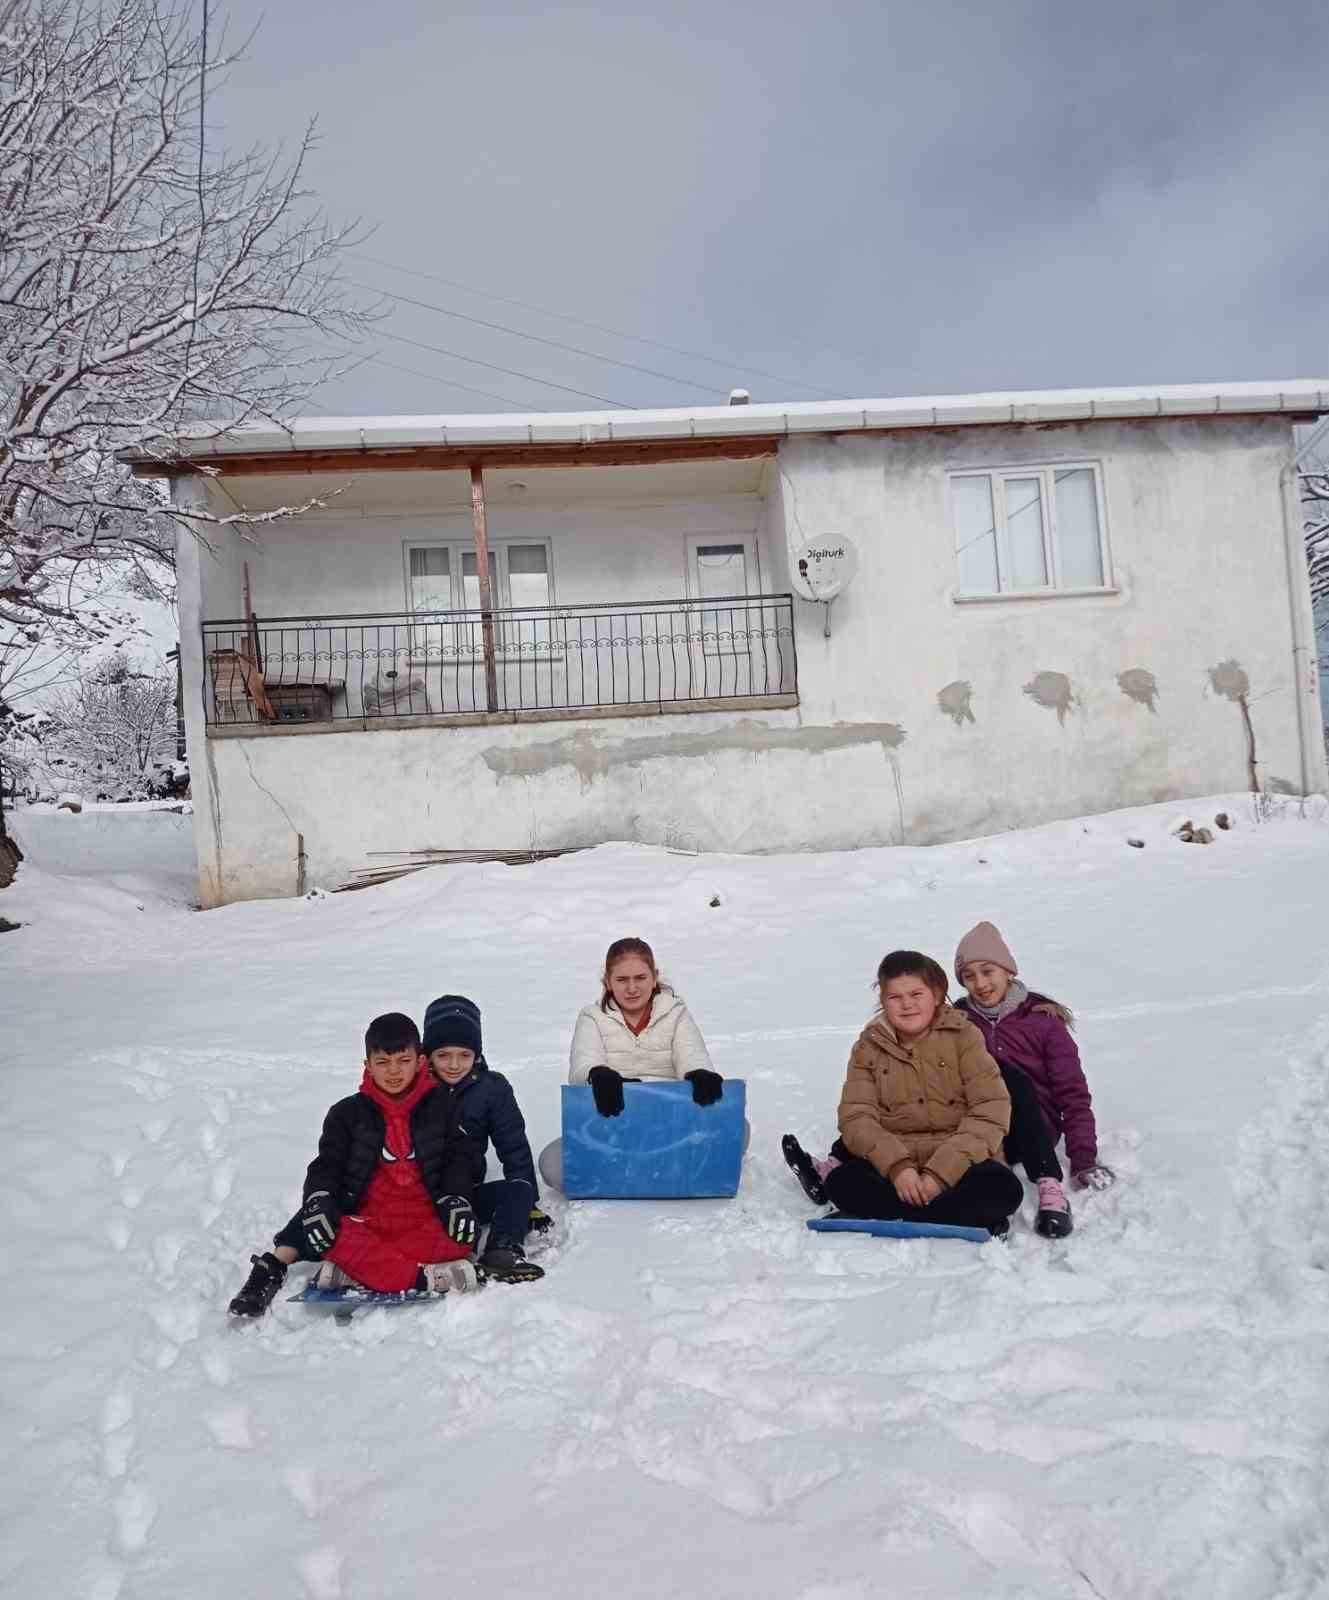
(489, 1110)
(387, 1198)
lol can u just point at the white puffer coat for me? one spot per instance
(668, 1047)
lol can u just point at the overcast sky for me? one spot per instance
(857, 199)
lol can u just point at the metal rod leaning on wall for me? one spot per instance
(482, 572)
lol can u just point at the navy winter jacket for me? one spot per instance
(489, 1112)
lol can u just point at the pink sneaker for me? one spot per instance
(1054, 1210)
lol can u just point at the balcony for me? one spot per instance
(441, 668)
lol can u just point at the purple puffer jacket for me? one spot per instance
(1035, 1038)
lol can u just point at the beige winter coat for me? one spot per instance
(670, 1045)
(938, 1104)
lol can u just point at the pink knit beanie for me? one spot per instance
(984, 943)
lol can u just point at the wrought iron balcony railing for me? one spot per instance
(341, 667)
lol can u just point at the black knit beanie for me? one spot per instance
(452, 1019)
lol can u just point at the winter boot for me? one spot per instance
(451, 1277)
(505, 1260)
(1054, 1210)
(331, 1276)
(260, 1287)
(804, 1169)
(541, 1221)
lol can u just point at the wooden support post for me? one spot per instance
(251, 625)
(486, 591)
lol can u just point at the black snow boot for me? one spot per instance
(505, 1261)
(800, 1164)
(541, 1221)
(260, 1288)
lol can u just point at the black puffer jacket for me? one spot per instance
(351, 1146)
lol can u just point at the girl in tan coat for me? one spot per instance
(923, 1111)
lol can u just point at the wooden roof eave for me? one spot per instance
(458, 458)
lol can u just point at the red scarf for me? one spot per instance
(397, 1122)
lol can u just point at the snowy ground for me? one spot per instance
(700, 1399)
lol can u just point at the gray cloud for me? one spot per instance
(872, 199)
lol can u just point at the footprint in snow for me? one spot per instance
(149, 1088)
(117, 1432)
(217, 1367)
(135, 1512)
(166, 1251)
(218, 1108)
(230, 1428)
(302, 1482)
(321, 1571)
(108, 1583)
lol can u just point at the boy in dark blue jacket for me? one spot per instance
(452, 1042)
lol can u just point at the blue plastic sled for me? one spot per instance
(344, 1303)
(661, 1147)
(898, 1230)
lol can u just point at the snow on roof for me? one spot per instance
(1302, 396)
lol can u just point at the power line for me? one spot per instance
(536, 338)
(510, 372)
(599, 327)
(450, 383)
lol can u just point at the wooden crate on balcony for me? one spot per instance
(238, 690)
(301, 702)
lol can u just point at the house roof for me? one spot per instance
(770, 421)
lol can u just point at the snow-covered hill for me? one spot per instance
(700, 1399)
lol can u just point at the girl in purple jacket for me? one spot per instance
(1027, 1031)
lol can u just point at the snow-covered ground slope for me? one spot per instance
(700, 1399)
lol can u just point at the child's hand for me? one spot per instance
(607, 1090)
(930, 1187)
(909, 1186)
(458, 1218)
(707, 1087)
(320, 1218)
(1096, 1177)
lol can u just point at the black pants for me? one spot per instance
(984, 1198)
(505, 1205)
(1029, 1144)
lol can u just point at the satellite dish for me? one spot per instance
(823, 568)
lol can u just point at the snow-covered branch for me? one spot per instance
(138, 306)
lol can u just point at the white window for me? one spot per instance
(1021, 530)
(446, 577)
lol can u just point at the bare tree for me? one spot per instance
(106, 733)
(150, 292)
(1315, 513)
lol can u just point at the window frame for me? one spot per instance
(998, 475)
(498, 550)
(697, 542)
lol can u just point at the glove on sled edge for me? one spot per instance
(607, 1090)
(707, 1086)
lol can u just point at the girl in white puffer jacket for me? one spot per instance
(639, 1029)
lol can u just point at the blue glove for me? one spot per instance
(320, 1218)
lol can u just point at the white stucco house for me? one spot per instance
(1065, 601)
